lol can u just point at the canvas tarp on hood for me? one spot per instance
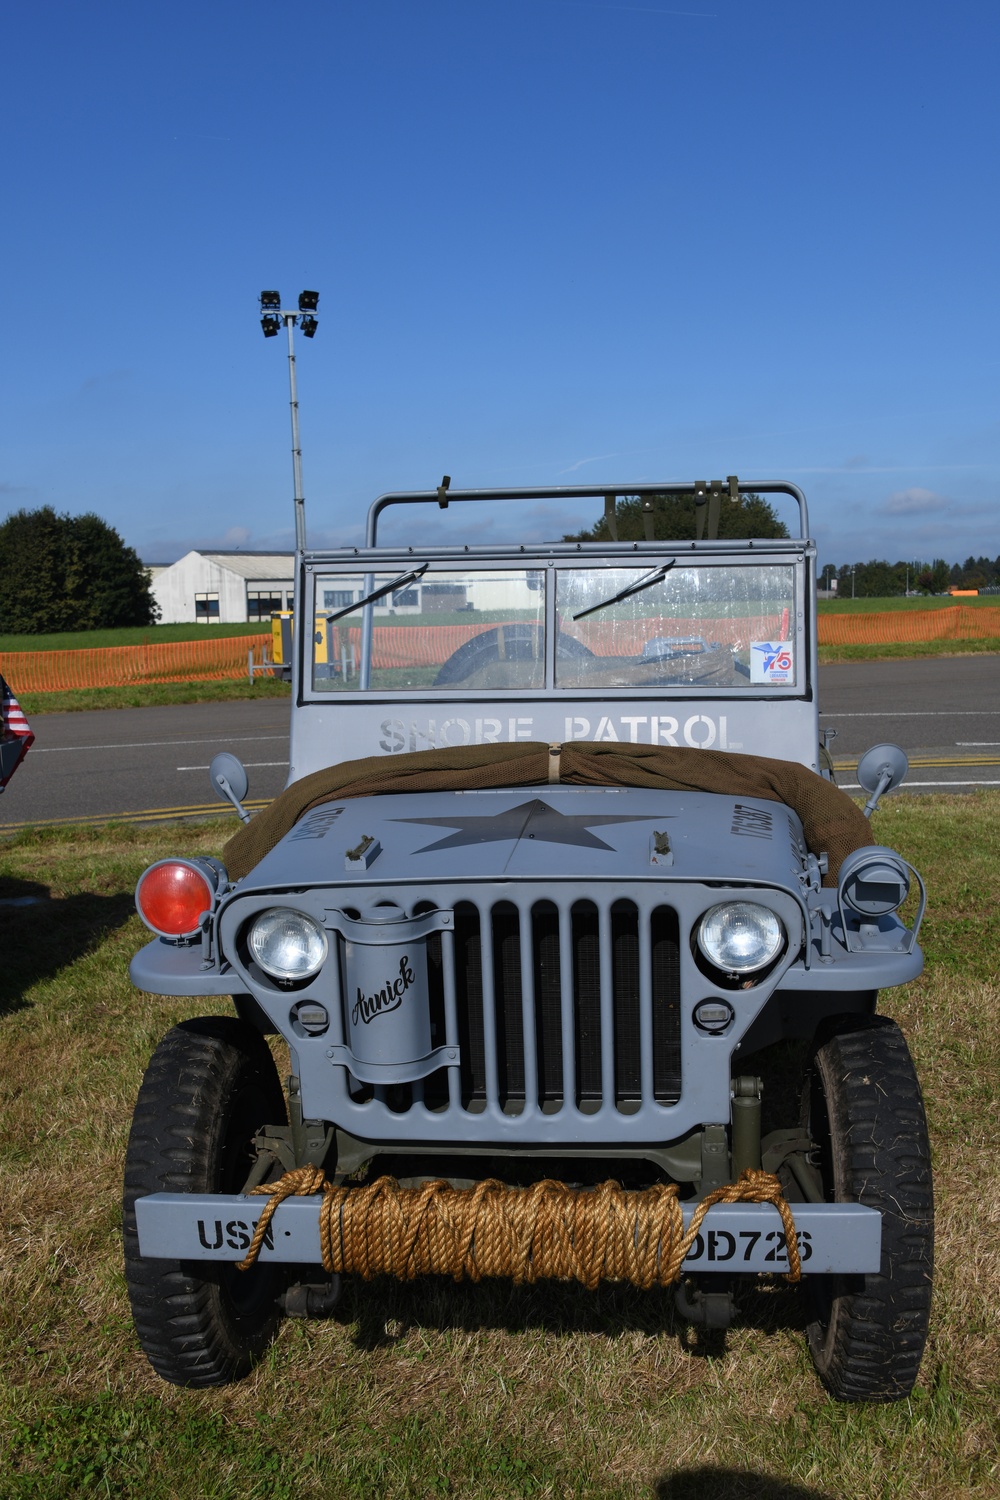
(831, 821)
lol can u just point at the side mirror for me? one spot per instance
(229, 781)
(879, 770)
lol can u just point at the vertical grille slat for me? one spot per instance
(646, 1060)
(529, 1033)
(488, 1016)
(606, 1003)
(572, 1004)
(451, 1014)
(567, 1014)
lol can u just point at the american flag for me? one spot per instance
(15, 734)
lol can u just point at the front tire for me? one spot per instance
(863, 1107)
(210, 1086)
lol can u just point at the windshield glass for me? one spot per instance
(725, 626)
(449, 630)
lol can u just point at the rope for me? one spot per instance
(530, 1234)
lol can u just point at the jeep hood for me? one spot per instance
(536, 834)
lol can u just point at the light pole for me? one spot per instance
(271, 319)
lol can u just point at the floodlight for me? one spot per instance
(309, 326)
(308, 301)
(271, 326)
(270, 299)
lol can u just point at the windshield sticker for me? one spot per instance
(772, 662)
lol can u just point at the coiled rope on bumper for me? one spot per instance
(530, 1234)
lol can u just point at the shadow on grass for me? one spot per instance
(384, 1310)
(709, 1483)
(41, 934)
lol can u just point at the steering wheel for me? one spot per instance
(522, 641)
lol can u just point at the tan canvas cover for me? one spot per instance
(831, 821)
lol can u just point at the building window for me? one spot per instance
(406, 599)
(337, 598)
(261, 606)
(206, 608)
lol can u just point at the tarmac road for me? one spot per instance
(151, 764)
(943, 710)
(146, 764)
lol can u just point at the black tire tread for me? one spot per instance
(187, 1329)
(869, 1344)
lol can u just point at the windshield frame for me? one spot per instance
(550, 560)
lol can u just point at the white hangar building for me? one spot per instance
(223, 588)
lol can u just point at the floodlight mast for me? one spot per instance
(272, 315)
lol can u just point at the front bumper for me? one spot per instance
(742, 1238)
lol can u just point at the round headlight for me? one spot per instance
(287, 944)
(740, 937)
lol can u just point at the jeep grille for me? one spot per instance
(550, 1002)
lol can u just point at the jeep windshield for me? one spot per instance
(564, 626)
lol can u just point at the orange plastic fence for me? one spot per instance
(430, 645)
(962, 622)
(123, 666)
(414, 645)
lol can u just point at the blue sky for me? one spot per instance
(556, 242)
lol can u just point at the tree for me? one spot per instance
(674, 520)
(69, 573)
(870, 580)
(939, 576)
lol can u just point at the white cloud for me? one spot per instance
(598, 458)
(915, 502)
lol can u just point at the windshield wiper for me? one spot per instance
(657, 576)
(397, 583)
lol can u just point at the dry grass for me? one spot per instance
(433, 1389)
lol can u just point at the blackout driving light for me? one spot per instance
(874, 881)
(287, 944)
(740, 937)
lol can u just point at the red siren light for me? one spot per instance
(172, 896)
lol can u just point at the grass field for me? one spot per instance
(898, 601)
(434, 1389)
(149, 695)
(909, 650)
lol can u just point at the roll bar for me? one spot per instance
(443, 496)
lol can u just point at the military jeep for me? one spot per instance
(574, 947)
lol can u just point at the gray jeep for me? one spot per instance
(575, 949)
